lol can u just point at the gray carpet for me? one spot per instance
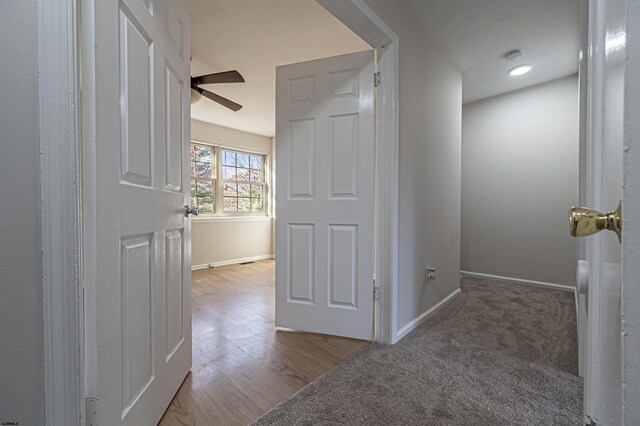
(499, 354)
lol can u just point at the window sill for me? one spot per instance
(206, 219)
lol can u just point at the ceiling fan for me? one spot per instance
(220, 77)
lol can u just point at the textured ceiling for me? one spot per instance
(475, 34)
(255, 36)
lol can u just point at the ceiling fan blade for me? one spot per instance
(219, 77)
(219, 99)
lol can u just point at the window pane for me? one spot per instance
(202, 153)
(243, 174)
(243, 160)
(230, 204)
(201, 169)
(230, 189)
(256, 162)
(256, 197)
(256, 191)
(204, 188)
(256, 205)
(243, 190)
(205, 204)
(203, 173)
(229, 158)
(256, 175)
(229, 173)
(244, 205)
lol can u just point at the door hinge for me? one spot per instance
(376, 291)
(91, 411)
(588, 421)
(377, 79)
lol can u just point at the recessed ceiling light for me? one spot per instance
(520, 70)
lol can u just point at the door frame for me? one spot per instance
(66, 143)
(61, 213)
(363, 21)
(630, 294)
(630, 279)
(589, 182)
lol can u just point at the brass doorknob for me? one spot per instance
(583, 221)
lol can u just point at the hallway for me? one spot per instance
(498, 354)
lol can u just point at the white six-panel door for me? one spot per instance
(142, 303)
(325, 195)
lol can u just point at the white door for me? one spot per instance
(139, 105)
(325, 195)
(606, 101)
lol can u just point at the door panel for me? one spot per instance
(175, 292)
(324, 212)
(300, 262)
(174, 131)
(143, 255)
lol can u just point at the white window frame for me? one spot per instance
(219, 183)
(263, 183)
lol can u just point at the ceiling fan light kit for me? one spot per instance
(195, 96)
(198, 92)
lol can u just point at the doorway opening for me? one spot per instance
(238, 185)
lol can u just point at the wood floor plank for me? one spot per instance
(243, 366)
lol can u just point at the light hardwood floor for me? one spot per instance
(242, 366)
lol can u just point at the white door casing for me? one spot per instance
(603, 372)
(325, 198)
(137, 239)
(631, 241)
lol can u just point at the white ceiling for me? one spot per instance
(255, 36)
(475, 34)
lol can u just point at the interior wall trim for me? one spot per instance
(532, 283)
(426, 315)
(60, 189)
(232, 262)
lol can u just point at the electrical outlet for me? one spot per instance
(429, 274)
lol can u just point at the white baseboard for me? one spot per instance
(424, 316)
(232, 262)
(531, 283)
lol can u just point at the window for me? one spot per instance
(239, 177)
(243, 177)
(203, 177)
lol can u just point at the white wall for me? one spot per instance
(430, 138)
(21, 353)
(519, 179)
(227, 240)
